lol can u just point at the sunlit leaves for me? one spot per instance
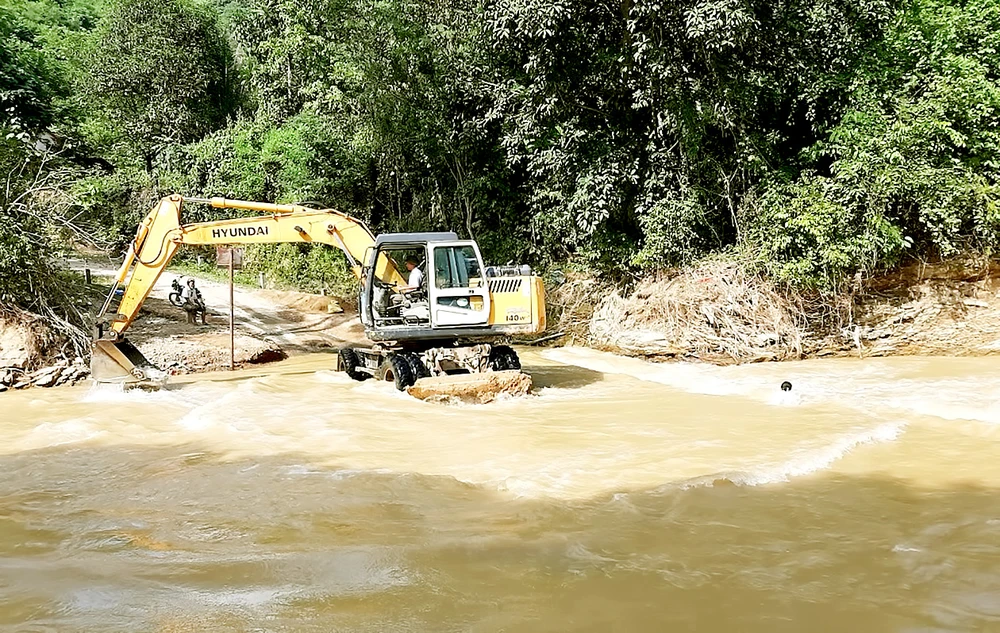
(160, 72)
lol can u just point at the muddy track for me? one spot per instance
(270, 324)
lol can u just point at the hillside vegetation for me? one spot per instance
(813, 139)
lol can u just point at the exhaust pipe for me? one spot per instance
(120, 362)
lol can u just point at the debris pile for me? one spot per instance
(716, 311)
(35, 354)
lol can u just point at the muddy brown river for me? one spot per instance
(621, 496)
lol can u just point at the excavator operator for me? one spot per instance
(416, 277)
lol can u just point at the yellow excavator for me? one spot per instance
(454, 319)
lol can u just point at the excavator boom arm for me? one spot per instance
(161, 234)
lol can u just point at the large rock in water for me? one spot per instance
(471, 388)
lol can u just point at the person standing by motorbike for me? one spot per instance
(193, 303)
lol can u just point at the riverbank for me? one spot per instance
(270, 325)
(717, 312)
(714, 313)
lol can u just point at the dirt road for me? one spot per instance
(270, 324)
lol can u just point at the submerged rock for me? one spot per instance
(471, 388)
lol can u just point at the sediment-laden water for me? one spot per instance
(622, 496)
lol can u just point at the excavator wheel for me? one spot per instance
(349, 361)
(396, 369)
(417, 367)
(503, 358)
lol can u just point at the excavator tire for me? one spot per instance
(503, 358)
(397, 370)
(350, 361)
(417, 368)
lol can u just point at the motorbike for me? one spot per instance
(175, 294)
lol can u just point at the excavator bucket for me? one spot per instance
(120, 362)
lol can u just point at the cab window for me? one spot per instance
(456, 267)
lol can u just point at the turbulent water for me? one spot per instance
(621, 496)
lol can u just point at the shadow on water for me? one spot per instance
(562, 376)
(175, 539)
(543, 376)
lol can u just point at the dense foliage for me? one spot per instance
(158, 75)
(28, 91)
(913, 164)
(821, 138)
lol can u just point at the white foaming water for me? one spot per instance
(821, 459)
(227, 406)
(785, 399)
(948, 399)
(905, 548)
(120, 394)
(50, 434)
(581, 433)
(689, 377)
(333, 377)
(805, 462)
(551, 444)
(865, 385)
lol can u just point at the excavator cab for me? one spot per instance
(452, 294)
(393, 303)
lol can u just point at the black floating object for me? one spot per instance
(786, 386)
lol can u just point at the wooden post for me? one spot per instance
(232, 320)
(86, 275)
(226, 256)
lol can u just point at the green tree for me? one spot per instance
(160, 74)
(395, 100)
(914, 164)
(646, 124)
(28, 83)
(29, 86)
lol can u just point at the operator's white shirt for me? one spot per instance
(187, 293)
(416, 278)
